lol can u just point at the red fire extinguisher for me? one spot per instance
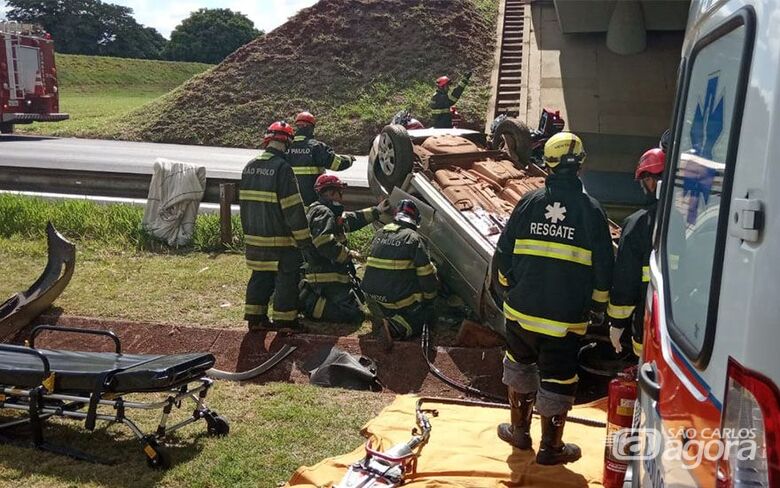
(620, 416)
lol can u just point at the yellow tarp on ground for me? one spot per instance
(463, 450)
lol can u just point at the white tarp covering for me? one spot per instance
(174, 196)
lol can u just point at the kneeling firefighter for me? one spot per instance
(327, 292)
(632, 265)
(400, 277)
(555, 266)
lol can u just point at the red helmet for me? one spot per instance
(442, 81)
(279, 131)
(325, 182)
(305, 117)
(407, 212)
(652, 163)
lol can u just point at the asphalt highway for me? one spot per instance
(134, 157)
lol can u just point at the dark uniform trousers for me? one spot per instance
(282, 284)
(555, 358)
(410, 320)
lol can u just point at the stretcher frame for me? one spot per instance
(41, 404)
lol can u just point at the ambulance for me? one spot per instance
(709, 405)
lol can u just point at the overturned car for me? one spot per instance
(466, 185)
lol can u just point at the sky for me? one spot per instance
(165, 15)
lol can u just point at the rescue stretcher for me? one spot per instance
(93, 386)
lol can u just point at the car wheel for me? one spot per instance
(394, 156)
(7, 128)
(513, 136)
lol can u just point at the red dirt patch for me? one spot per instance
(402, 370)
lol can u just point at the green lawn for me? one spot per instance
(275, 428)
(98, 91)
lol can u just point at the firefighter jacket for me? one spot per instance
(632, 273)
(272, 214)
(399, 272)
(555, 259)
(329, 224)
(310, 158)
(441, 102)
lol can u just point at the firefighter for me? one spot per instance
(400, 277)
(275, 231)
(310, 157)
(632, 271)
(555, 266)
(443, 99)
(327, 292)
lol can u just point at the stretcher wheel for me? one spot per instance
(218, 426)
(156, 457)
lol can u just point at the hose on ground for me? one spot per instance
(470, 390)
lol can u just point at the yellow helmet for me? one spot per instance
(563, 149)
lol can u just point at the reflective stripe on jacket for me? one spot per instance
(329, 224)
(272, 213)
(632, 272)
(399, 272)
(555, 258)
(441, 101)
(310, 158)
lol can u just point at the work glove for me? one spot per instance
(614, 337)
(385, 207)
(467, 76)
(356, 256)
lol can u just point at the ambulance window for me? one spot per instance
(702, 160)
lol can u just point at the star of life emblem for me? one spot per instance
(555, 213)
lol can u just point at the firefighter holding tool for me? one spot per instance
(632, 271)
(328, 292)
(444, 98)
(310, 158)
(555, 266)
(275, 232)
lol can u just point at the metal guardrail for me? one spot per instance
(124, 185)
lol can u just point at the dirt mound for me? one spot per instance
(352, 62)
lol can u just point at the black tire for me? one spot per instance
(161, 459)
(218, 426)
(513, 136)
(6, 128)
(394, 158)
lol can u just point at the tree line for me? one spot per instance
(96, 28)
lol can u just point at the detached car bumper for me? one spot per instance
(25, 118)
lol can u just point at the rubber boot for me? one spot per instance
(518, 432)
(552, 449)
(287, 327)
(258, 322)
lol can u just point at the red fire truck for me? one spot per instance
(28, 77)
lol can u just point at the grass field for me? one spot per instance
(98, 91)
(274, 429)
(120, 272)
